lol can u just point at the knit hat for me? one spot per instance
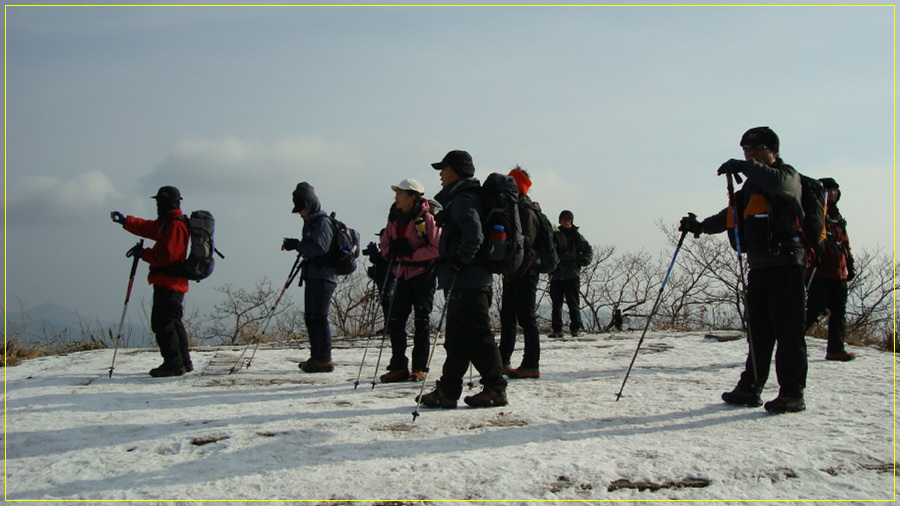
(522, 180)
(760, 135)
(566, 215)
(829, 183)
(458, 160)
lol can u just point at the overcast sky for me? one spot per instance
(621, 114)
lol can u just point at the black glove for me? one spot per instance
(371, 250)
(851, 271)
(401, 248)
(290, 244)
(135, 251)
(117, 217)
(690, 224)
(733, 166)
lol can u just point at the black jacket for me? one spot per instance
(576, 254)
(461, 236)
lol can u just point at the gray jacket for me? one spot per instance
(317, 236)
(768, 208)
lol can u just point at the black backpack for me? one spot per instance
(546, 257)
(344, 247)
(200, 261)
(502, 248)
(812, 227)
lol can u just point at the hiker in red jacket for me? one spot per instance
(171, 233)
(828, 289)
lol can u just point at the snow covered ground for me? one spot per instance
(272, 432)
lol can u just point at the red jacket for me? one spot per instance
(171, 236)
(837, 255)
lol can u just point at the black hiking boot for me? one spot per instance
(188, 366)
(739, 397)
(781, 405)
(436, 399)
(165, 371)
(487, 398)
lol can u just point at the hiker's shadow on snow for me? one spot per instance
(313, 447)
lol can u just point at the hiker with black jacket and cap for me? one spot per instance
(768, 211)
(565, 282)
(171, 233)
(468, 285)
(319, 278)
(828, 288)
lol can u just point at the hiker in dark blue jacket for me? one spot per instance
(318, 276)
(468, 285)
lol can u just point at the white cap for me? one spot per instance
(410, 184)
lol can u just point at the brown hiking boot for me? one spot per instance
(395, 376)
(312, 365)
(487, 398)
(840, 357)
(524, 372)
(164, 371)
(417, 376)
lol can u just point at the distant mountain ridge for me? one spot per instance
(48, 322)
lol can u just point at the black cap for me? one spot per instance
(566, 215)
(458, 160)
(760, 135)
(169, 193)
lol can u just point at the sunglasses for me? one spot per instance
(754, 147)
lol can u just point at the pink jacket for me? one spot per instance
(424, 248)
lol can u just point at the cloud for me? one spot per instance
(32, 199)
(232, 165)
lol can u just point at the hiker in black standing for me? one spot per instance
(171, 233)
(520, 290)
(411, 240)
(768, 213)
(828, 288)
(565, 282)
(319, 277)
(468, 287)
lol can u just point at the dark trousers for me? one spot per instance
(167, 324)
(776, 315)
(829, 294)
(469, 338)
(413, 295)
(517, 308)
(568, 290)
(317, 302)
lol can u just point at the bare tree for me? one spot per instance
(239, 318)
(354, 305)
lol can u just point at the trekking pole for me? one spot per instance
(295, 269)
(134, 265)
(378, 302)
(387, 321)
(743, 289)
(653, 310)
(437, 336)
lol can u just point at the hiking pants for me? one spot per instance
(317, 301)
(831, 295)
(167, 324)
(517, 308)
(567, 289)
(469, 338)
(415, 294)
(776, 315)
